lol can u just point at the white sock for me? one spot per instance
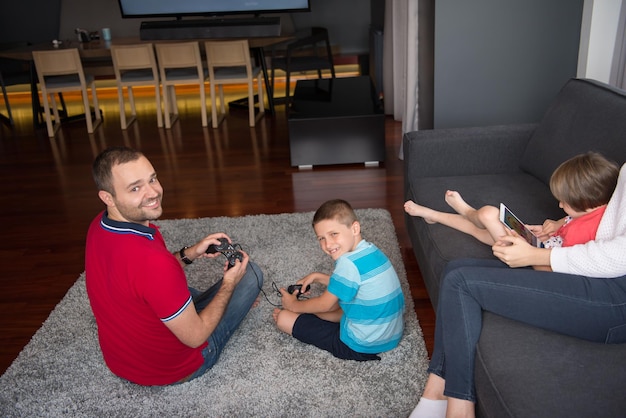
(429, 408)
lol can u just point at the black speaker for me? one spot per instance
(210, 28)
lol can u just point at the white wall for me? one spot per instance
(601, 39)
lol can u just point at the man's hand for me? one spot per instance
(212, 239)
(193, 329)
(198, 250)
(233, 275)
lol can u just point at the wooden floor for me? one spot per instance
(48, 196)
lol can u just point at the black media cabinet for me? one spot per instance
(336, 121)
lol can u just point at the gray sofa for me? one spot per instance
(521, 371)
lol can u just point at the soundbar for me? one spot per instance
(210, 28)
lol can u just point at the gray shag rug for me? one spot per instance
(261, 373)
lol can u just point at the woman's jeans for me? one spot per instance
(243, 298)
(588, 308)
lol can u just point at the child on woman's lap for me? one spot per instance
(583, 185)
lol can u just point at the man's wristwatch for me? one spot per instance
(183, 257)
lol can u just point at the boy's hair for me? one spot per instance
(338, 210)
(585, 181)
(106, 160)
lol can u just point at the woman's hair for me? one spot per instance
(338, 210)
(585, 181)
(104, 163)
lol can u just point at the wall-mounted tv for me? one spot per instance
(180, 8)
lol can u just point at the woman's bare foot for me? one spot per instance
(456, 202)
(414, 209)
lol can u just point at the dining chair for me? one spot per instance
(59, 71)
(229, 62)
(180, 63)
(135, 65)
(12, 72)
(309, 52)
(10, 78)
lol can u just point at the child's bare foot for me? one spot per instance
(414, 209)
(275, 314)
(456, 202)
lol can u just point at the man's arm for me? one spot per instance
(198, 250)
(193, 329)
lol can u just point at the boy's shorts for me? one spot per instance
(323, 334)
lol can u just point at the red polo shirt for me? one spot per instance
(135, 285)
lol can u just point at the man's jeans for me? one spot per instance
(588, 308)
(240, 303)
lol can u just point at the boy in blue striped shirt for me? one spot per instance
(361, 312)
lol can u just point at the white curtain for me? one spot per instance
(400, 62)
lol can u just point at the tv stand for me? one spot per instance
(336, 121)
(210, 28)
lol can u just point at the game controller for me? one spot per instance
(297, 287)
(231, 253)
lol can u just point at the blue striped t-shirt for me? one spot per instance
(370, 295)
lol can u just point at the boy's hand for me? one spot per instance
(288, 300)
(314, 277)
(538, 231)
(549, 227)
(306, 282)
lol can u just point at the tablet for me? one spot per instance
(512, 222)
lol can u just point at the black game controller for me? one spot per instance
(297, 288)
(228, 250)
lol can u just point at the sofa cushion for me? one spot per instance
(514, 361)
(585, 116)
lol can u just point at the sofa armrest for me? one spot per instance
(465, 151)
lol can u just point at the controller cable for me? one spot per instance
(275, 290)
(274, 285)
(258, 280)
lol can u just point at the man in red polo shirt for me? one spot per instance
(150, 330)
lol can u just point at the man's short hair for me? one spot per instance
(103, 165)
(336, 209)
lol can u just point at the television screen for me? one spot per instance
(154, 8)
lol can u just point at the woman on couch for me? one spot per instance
(584, 297)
